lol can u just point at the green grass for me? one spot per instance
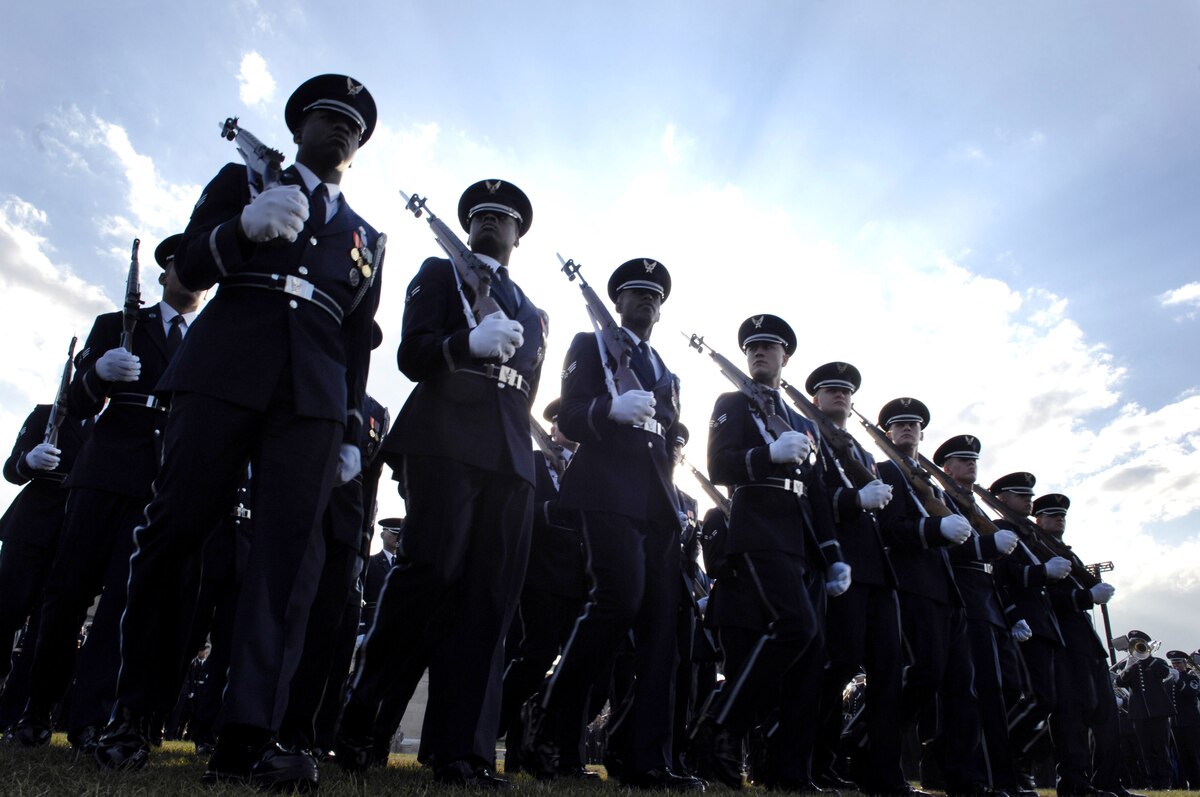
(175, 770)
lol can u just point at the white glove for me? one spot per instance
(956, 529)
(837, 579)
(1057, 568)
(43, 457)
(1102, 593)
(790, 447)
(118, 365)
(1021, 631)
(349, 463)
(1006, 541)
(1172, 676)
(632, 408)
(496, 336)
(278, 212)
(874, 495)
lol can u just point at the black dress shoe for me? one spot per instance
(123, 744)
(575, 773)
(84, 741)
(663, 779)
(280, 768)
(33, 729)
(231, 760)
(464, 773)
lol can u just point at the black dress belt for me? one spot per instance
(289, 284)
(502, 375)
(790, 485)
(138, 400)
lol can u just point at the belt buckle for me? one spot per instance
(794, 486)
(298, 287)
(510, 377)
(987, 567)
(151, 402)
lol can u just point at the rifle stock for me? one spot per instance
(918, 478)
(472, 271)
(546, 444)
(133, 299)
(617, 343)
(838, 438)
(720, 499)
(58, 410)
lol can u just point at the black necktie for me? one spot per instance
(643, 366)
(317, 207)
(175, 335)
(502, 291)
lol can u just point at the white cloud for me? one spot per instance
(257, 87)
(1185, 296)
(673, 145)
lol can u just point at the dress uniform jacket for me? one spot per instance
(858, 530)
(36, 513)
(739, 456)
(1149, 693)
(556, 559)
(1072, 602)
(1022, 580)
(248, 338)
(125, 448)
(378, 567)
(918, 548)
(617, 468)
(1185, 695)
(973, 564)
(454, 412)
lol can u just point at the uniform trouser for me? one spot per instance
(1084, 727)
(1187, 745)
(780, 668)
(942, 673)
(92, 557)
(685, 678)
(1152, 734)
(545, 620)
(339, 671)
(996, 751)
(634, 569)
(207, 444)
(1027, 718)
(334, 591)
(451, 597)
(23, 572)
(16, 687)
(863, 632)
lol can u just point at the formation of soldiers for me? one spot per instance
(212, 475)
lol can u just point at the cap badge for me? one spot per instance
(352, 88)
(492, 187)
(758, 322)
(841, 367)
(904, 402)
(970, 440)
(1029, 479)
(650, 265)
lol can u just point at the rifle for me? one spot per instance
(133, 299)
(918, 477)
(757, 393)
(710, 489)
(547, 446)
(839, 439)
(618, 345)
(262, 162)
(58, 410)
(472, 271)
(1044, 545)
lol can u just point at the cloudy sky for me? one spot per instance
(992, 207)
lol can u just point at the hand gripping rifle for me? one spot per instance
(917, 475)
(58, 410)
(839, 439)
(133, 299)
(720, 499)
(471, 271)
(548, 447)
(616, 343)
(760, 401)
(262, 162)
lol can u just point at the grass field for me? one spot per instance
(175, 770)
